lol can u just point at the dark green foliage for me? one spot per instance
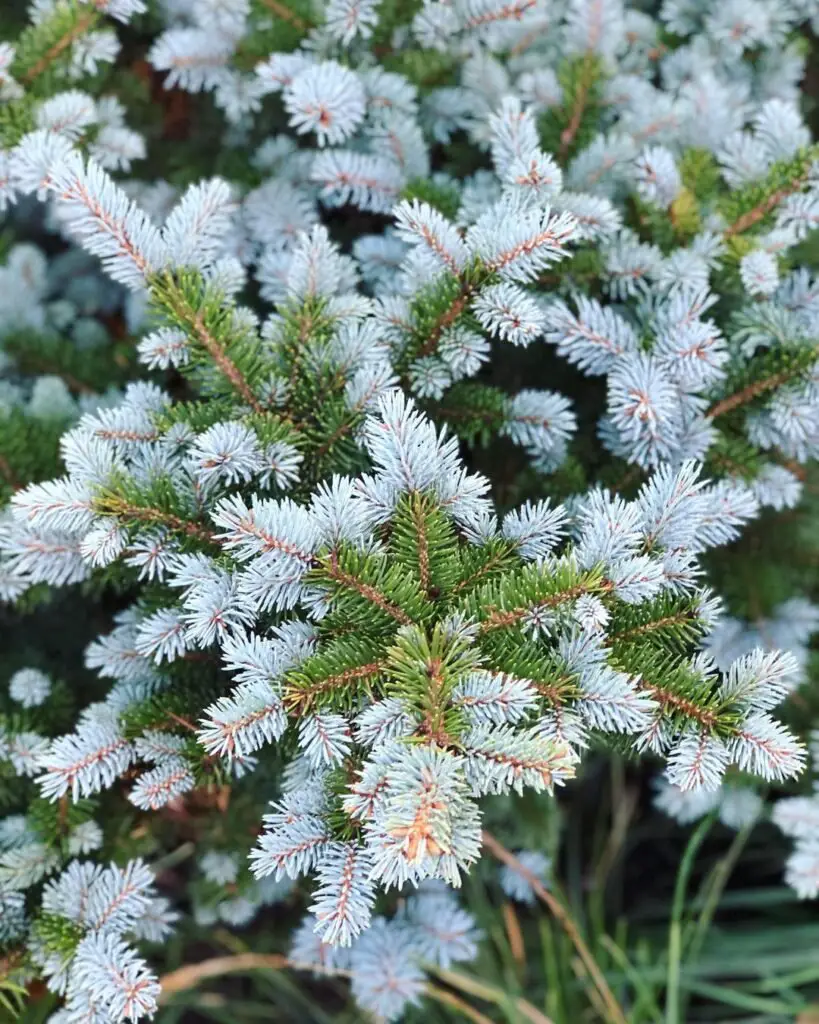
(443, 197)
(504, 603)
(41, 47)
(749, 383)
(16, 119)
(750, 207)
(85, 369)
(28, 450)
(732, 455)
(334, 676)
(225, 356)
(670, 623)
(53, 822)
(570, 127)
(434, 310)
(474, 411)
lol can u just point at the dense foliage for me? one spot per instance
(400, 403)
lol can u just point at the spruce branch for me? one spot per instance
(447, 317)
(83, 24)
(677, 703)
(113, 505)
(757, 388)
(497, 618)
(765, 206)
(277, 514)
(190, 976)
(683, 618)
(281, 10)
(493, 564)
(300, 694)
(588, 75)
(370, 593)
(194, 321)
(447, 998)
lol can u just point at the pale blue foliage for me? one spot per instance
(593, 338)
(508, 312)
(29, 687)
(108, 976)
(516, 885)
(159, 786)
(220, 868)
(103, 974)
(345, 895)
(646, 333)
(86, 761)
(366, 180)
(658, 180)
(327, 99)
(444, 932)
(386, 975)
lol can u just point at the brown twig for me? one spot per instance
(747, 220)
(490, 994)
(369, 593)
(76, 30)
(287, 15)
(514, 933)
(114, 505)
(441, 995)
(184, 722)
(613, 1011)
(749, 393)
(194, 320)
(192, 975)
(569, 133)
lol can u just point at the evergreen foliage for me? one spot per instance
(410, 398)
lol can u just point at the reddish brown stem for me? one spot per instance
(447, 318)
(369, 593)
(672, 700)
(749, 393)
(194, 320)
(747, 220)
(62, 44)
(497, 619)
(283, 12)
(679, 619)
(573, 127)
(300, 698)
(119, 506)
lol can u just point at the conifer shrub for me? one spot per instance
(406, 399)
